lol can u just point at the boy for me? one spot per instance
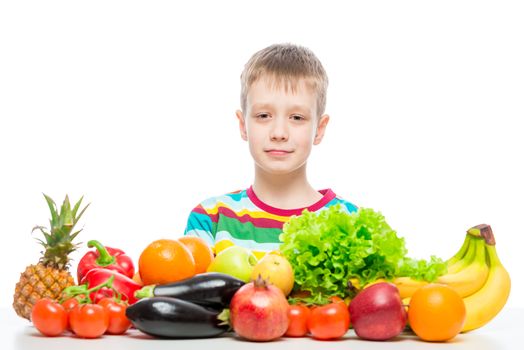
(283, 98)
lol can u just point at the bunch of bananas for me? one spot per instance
(476, 274)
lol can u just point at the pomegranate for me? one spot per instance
(259, 311)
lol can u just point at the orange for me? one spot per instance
(201, 251)
(136, 278)
(436, 312)
(165, 261)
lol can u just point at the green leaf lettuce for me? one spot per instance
(328, 248)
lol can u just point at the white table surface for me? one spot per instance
(502, 333)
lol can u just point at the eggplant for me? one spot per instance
(213, 290)
(167, 317)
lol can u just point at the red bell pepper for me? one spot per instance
(121, 284)
(106, 257)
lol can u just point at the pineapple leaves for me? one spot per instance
(79, 215)
(75, 209)
(77, 205)
(73, 236)
(58, 241)
(65, 218)
(63, 222)
(48, 238)
(52, 208)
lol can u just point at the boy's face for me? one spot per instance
(281, 125)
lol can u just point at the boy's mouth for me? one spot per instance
(278, 152)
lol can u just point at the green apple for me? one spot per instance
(236, 261)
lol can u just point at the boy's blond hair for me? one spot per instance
(286, 64)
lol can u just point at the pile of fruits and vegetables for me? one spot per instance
(334, 271)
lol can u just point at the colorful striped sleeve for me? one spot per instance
(200, 224)
(350, 207)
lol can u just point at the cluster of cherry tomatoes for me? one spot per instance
(85, 320)
(330, 321)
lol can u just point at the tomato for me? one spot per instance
(89, 320)
(329, 321)
(298, 316)
(69, 304)
(118, 322)
(49, 317)
(106, 301)
(336, 299)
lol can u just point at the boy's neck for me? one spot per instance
(289, 191)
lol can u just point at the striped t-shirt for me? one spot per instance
(243, 219)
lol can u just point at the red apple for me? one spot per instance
(377, 312)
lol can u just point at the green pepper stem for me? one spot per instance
(104, 258)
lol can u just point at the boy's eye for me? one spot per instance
(263, 115)
(297, 117)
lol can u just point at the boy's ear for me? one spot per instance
(321, 129)
(242, 125)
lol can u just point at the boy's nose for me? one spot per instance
(279, 131)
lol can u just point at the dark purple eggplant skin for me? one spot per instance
(167, 317)
(211, 289)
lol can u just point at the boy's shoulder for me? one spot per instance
(230, 199)
(242, 200)
(348, 206)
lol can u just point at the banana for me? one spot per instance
(380, 280)
(463, 281)
(466, 258)
(467, 270)
(476, 273)
(407, 286)
(487, 302)
(473, 275)
(459, 255)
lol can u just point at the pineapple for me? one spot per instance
(50, 276)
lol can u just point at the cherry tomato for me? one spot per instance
(329, 321)
(89, 320)
(118, 322)
(105, 301)
(69, 304)
(336, 299)
(298, 316)
(49, 317)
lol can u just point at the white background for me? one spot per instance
(132, 105)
